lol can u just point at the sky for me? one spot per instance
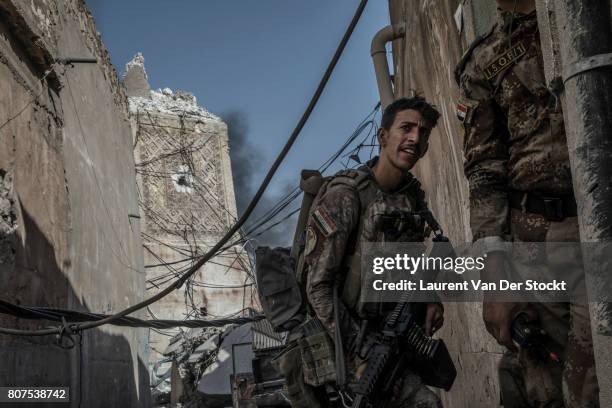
(256, 63)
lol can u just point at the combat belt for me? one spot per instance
(552, 207)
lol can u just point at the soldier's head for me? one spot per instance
(404, 131)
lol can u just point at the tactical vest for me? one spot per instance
(360, 180)
(281, 273)
(311, 361)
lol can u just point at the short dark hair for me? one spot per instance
(428, 111)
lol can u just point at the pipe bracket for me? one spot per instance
(587, 64)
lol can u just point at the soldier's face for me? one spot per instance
(403, 143)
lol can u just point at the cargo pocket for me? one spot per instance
(318, 359)
(289, 365)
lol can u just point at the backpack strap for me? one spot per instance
(468, 54)
(350, 177)
(357, 180)
(351, 288)
(423, 210)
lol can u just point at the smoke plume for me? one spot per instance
(248, 168)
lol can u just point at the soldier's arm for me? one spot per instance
(486, 158)
(333, 219)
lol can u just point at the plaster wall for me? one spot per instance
(424, 62)
(68, 237)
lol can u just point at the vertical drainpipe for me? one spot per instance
(379, 58)
(585, 42)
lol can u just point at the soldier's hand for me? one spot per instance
(434, 318)
(498, 318)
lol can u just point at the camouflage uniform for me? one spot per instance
(514, 143)
(345, 214)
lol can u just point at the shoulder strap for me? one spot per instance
(350, 177)
(468, 53)
(353, 178)
(351, 288)
(423, 208)
(414, 189)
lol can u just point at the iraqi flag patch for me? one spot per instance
(462, 111)
(465, 109)
(324, 222)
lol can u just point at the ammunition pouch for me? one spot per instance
(307, 364)
(399, 221)
(436, 369)
(318, 356)
(289, 364)
(318, 359)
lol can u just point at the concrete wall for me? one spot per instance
(68, 237)
(424, 62)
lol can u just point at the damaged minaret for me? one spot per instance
(135, 78)
(187, 204)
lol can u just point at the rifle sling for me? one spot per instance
(339, 348)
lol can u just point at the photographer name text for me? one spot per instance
(474, 284)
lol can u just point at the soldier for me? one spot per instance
(517, 166)
(344, 215)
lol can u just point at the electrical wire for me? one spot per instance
(296, 192)
(71, 316)
(201, 261)
(34, 98)
(255, 228)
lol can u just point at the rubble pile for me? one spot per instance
(190, 353)
(167, 101)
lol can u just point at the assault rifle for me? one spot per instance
(399, 221)
(403, 344)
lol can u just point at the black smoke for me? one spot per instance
(248, 170)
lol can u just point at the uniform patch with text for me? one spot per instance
(504, 61)
(324, 222)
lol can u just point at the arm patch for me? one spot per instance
(465, 109)
(323, 221)
(468, 53)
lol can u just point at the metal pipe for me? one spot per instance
(379, 58)
(584, 40)
(77, 60)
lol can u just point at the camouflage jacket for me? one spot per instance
(342, 216)
(514, 137)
